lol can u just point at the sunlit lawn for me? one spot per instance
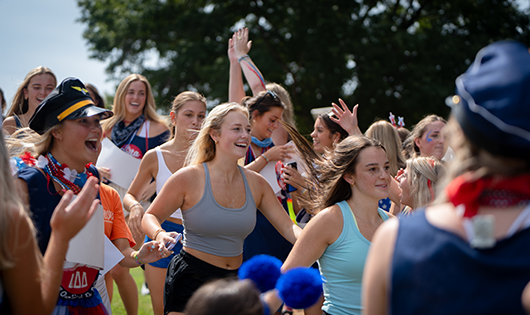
(144, 306)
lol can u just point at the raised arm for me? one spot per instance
(131, 201)
(346, 119)
(236, 92)
(250, 70)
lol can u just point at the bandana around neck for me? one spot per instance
(262, 143)
(493, 192)
(120, 132)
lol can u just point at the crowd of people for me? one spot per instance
(428, 221)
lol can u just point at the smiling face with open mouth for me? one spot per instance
(78, 142)
(38, 88)
(135, 100)
(234, 136)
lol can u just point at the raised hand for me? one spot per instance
(345, 118)
(241, 43)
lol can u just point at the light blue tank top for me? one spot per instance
(342, 266)
(217, 230)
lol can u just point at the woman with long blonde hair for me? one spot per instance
(218, 199)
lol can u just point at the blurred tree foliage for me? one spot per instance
(389, 55)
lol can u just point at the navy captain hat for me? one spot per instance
(69, 100)
(492, 103)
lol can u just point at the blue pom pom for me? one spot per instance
(264, 270)
(300, 288)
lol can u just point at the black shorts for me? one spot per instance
(185, 274)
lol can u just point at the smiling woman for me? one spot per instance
(69, 141)
(38, 83)
(218, 199)
(347, 186)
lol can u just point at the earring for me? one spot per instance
(215, 140)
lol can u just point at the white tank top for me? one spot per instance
(161, 178)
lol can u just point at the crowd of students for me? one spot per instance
(433, 220)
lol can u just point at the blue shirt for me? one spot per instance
(437, 272)
(342, 266)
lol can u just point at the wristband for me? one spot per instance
(266, 159)
(243, 58)
(135, 256)
(304, 191)
(156, 233)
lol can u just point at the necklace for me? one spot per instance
(66, 178)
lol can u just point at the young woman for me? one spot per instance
(238, 48)
(38, 83)
(426, 138)
(265, 110)
(348, 183)
(135, 128)
(21, 262)
(69, 125)
(187, 113)
(418, 182)
(466, 255)
(218, 199)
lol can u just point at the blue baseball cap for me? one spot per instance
(492, 101)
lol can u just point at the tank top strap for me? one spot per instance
(207, 183)
(17, 121)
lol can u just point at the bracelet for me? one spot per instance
(266, 159)
(134, 205)
(304, 191)
(156, 233)
(243, 58)
(135, 255)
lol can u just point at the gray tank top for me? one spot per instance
(217, 230)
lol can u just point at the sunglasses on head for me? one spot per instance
(269, 92)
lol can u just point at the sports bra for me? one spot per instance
(217, 230)
(162, 176)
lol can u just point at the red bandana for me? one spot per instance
(463, 190)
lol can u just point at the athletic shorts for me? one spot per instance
(185, 274)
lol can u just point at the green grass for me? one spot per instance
(144, 301)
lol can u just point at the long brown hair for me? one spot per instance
(326, 172)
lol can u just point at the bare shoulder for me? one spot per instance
(157, 128)
(190, 174)
(327, 223)
(9, 125)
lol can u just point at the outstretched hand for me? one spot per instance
(345, 118)
(241, 43)
(150, 252)
(69, 218)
